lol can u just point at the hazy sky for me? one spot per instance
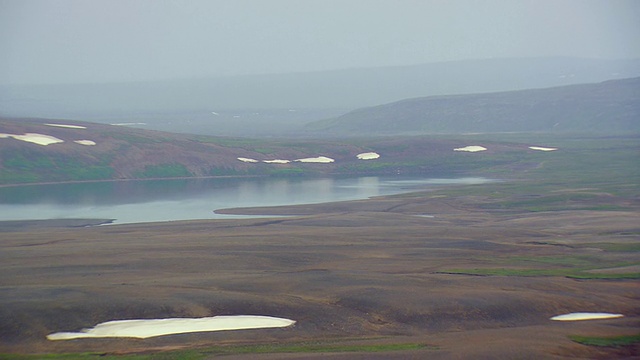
(53, 41)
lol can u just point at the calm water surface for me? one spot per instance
(186, 199)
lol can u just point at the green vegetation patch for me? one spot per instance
(609, 341)
(565, 261)
(163, 171)
(13, 177)
(32, 166)
(135, 139)
(197, 354)
(569, 273)
(316, 348)
(27, 161)
(576, 267)
(288, 171)
(614, 247)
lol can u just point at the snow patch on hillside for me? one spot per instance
(319, 159)
(39, 139)
(67, 126)
(368, 156)
(471, 148)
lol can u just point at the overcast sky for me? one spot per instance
(60, 41)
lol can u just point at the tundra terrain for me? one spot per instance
(461, 272)
(454, 272)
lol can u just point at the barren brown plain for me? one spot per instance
(375, 271)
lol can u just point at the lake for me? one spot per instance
(188, 199)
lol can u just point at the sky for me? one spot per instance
(87, 41)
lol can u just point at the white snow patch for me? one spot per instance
(276, 161)
(247, 160)
(542, 148)
(585, 316)
(158, 327)
(67, 126)
(85, 142)
(368, 156)
(319, 159)
(471, 148)
(39, 139)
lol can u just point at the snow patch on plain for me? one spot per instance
(585, 316)
(243, 159)
(85, 142)
(157, 327)
(276, 161)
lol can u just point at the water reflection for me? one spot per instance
(165, 200)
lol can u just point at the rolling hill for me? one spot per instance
(46, 150)
(607, 107)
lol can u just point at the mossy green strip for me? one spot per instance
(197, 354)
(610, 341)
(541, 272)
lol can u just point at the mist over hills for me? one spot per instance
(609, 107)
(229, 105)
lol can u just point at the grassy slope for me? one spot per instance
(126, 153)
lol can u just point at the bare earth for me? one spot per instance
(374, 271)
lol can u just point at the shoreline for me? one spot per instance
(20, 225)
(125, 180)
(220, 211)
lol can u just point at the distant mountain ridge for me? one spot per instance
(608, 107)
(338, 89)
